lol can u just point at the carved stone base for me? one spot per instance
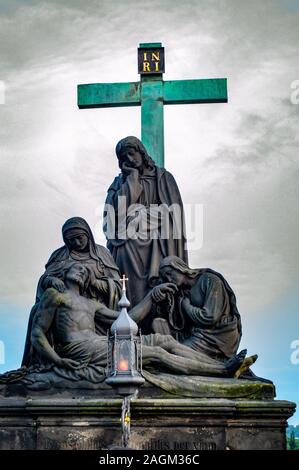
(156, 423)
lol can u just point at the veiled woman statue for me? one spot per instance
(79, 246)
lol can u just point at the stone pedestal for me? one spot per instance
(156, 423)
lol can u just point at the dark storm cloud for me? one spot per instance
(238, 160)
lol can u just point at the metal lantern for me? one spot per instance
(124, 352)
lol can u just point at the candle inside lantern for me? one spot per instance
(123, 364)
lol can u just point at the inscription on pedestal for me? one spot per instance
(160, 444)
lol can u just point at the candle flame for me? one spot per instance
(123, 364)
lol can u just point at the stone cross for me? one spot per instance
(152, 93)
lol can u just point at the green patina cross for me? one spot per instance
(151, 93)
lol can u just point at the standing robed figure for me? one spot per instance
(144, 218)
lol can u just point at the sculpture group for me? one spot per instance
(188, 317)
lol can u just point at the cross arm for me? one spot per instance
(106, 95)
(212, 90)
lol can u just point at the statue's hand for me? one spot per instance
(129, 170)
(58, 284)
(159, 292)
(70, 364)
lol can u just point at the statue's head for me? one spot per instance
(78, 273)
(174, 269)
(76, 234)
(131, 151)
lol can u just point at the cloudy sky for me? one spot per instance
(238, 161)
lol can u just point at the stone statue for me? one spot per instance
(144, 219)
(204, 314)
(79, 246)
(199, 328)
(77, 355)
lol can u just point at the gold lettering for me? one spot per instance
(145, 56)
(146, 67)
(155, 56)
(157, 66)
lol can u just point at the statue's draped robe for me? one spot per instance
(212, 323)
(93, 352)
(139, 258)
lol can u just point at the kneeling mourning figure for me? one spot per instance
(196, 331)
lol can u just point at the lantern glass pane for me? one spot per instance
(124, 357)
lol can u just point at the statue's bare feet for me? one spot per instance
(248, 361)
(234, 362)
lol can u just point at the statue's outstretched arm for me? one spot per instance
(140, 311)
(105, 314)
(157, 294)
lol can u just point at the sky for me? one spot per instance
(238, 162)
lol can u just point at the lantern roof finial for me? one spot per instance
(124, 325)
